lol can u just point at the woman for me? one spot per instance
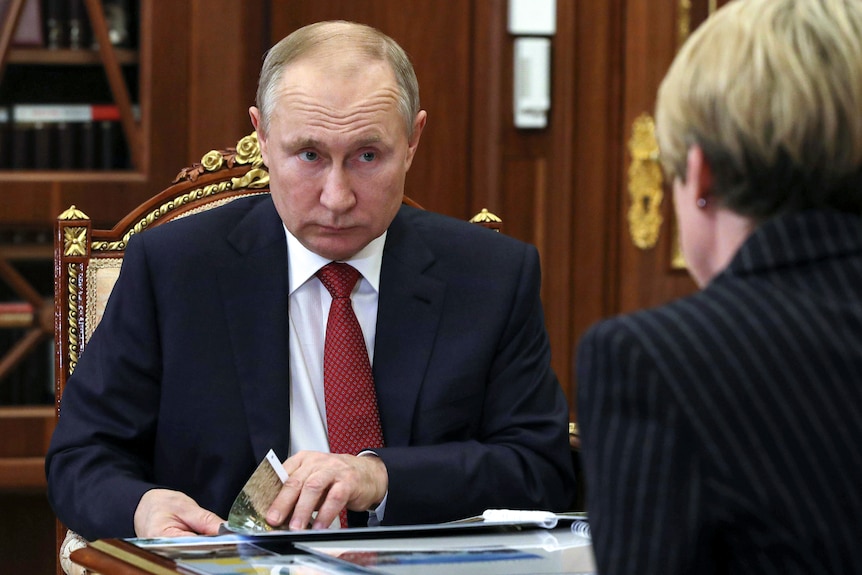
(721, 432)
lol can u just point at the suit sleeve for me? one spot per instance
(643, 470)
(99, 461)
(519, 455)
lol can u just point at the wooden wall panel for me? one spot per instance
(228, 41)
(523, 189)
(596, 152)
(27, 533)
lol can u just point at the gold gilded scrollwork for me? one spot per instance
(645, 184)
(73, 213)
(74, 273)
(75, 241)
(212, 160)
(247, 151)
(683, 23)
(488, 219)
(158, 213)
(253, 179)
(485, 217)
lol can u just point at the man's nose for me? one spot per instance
(337, 194)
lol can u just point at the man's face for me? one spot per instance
(338, 153)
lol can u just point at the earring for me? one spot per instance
(701, 203)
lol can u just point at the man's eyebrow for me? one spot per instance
(368, 140)
(299, 143)
(308, 142)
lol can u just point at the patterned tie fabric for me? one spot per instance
(352, 419)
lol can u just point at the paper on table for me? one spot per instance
(546, 519)
(248, 512)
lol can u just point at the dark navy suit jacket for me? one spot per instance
(184, 384)
(721, 433)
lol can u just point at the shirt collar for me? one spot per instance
(302, 263)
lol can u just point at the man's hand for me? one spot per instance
(166, 513)
(326, 483)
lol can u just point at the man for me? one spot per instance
(721, 432)
(212, 347)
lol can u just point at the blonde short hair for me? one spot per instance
(771, 90)
(333, 38)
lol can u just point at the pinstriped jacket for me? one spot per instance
(722, 433)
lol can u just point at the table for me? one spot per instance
(487, 550)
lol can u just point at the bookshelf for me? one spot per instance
(78, 56)
(190, 73)
(100, 84)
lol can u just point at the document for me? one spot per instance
(528, 552)
(248, 512)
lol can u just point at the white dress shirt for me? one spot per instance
(309, 303)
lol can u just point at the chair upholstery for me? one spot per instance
(87, 261)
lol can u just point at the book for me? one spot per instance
(5, 139)
(28, 32)
(68, 137)
(55, 24)
(77, 28)
(16, 314)
(67, 145)
(21, 157)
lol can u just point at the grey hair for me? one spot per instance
(337, 36)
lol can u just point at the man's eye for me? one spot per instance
(367, 156)
(308, 156)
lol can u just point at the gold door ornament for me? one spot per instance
(645, 184)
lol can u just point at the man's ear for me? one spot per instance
(413, 144)
(254, 114)
(699, 175)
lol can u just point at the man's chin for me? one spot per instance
(336, 249)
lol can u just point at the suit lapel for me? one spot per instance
(254, 288)
(407, 318)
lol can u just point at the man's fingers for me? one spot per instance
(315, 491)
(283, 504)
(326, 483)
(166, 513)
(335, 501)
(204, 522)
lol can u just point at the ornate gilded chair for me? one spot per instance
(87, 261)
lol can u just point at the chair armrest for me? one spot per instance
(71, 543)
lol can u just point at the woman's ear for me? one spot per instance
(699, 175)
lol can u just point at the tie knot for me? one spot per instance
(338, 278)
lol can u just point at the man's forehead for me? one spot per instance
(343, 89)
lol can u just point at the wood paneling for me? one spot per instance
(597, 28)
(228, 41)
(27, 533)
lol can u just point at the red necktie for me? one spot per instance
(352, 420)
